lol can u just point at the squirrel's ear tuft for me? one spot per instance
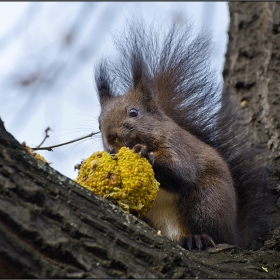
(137, 71)
(143, 88)
(103, 84)
(140, 80)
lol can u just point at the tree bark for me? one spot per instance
(50, 227)
(252, 75)
(252, 72)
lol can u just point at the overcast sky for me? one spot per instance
(47, 54)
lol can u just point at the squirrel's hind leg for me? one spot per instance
(208, 215)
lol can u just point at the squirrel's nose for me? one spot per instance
(111, 134)
(112, 137)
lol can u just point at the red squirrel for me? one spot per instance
(160, 97)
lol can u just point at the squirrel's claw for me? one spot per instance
(198, 239)
(143, 150)
(208, 239)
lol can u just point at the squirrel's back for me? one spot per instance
(174, 62)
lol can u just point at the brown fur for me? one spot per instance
(199, 156)
(197, 178)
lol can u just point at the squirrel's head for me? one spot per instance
(128, 119)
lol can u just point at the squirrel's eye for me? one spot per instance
(133, 112)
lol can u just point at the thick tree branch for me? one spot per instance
(50, 227)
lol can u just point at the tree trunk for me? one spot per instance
(50, 227)
(252, 75)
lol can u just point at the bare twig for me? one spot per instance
(46, 136)
(54, 146)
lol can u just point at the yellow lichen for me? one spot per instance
(36, 155)
(127, 179)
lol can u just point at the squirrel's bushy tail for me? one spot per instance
(175, 63)
(248, 173)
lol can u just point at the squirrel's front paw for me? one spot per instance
(199, 240)
(143, 151)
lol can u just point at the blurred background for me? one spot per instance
(47, 54)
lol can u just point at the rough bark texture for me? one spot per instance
(252, 75)
(50, 227)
